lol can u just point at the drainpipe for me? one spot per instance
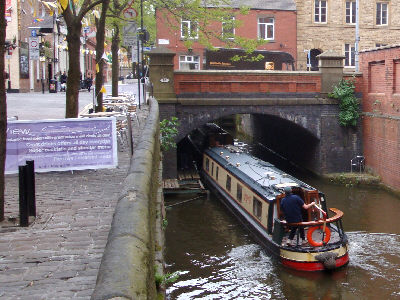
(357, 36)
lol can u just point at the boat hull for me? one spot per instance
(291, 257)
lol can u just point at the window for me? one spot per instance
(381, 13)
(212, 169)
(320, 11)
(189, 29)
(216, 173)
(239, 192)
(349, 52)
(350, 12)
(377, 45)
(228, 28)
(207, 164)
(257, 207)
(266, 28)
(189, 62)
(228, 182)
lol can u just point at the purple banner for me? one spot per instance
(60, 145)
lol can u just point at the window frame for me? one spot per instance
(266, 24)
(349, 61)
(191, 61)
(257, 208)
(381, 3)
(228, 183)
(232, 34)
(353, 12)
(319, 2)
(191, 26)
(239, 192)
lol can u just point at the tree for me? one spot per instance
(100, 39)
(204, 14)
(3, 108)
(73, 16)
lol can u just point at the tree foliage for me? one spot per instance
(205, 14)
(168, 132)
(349, 105)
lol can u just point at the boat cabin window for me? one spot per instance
(212, 168)
(257, 208)
(239, 192)
(228, 182)
(216, 173)
(207, 164)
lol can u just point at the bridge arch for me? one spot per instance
(196, 116)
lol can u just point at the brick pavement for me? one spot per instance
(58, 255)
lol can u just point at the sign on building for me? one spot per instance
(61, 145)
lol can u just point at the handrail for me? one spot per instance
(338, 215)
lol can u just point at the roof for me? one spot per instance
(267, 180)
(262, 4)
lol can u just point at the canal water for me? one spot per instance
(217, 258)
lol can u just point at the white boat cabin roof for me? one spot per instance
(254, 171)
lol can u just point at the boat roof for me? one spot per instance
(267, 180)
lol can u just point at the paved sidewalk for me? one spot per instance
(58, 256)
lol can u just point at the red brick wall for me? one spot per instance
(246, 82)
(285, 33)
(381, 107)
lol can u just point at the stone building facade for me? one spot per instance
(330, 25)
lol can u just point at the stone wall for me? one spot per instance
(381, 113)
(129, 262)
(333, 34)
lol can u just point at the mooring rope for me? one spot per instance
(195, 198)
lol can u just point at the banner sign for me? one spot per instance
(62, 145)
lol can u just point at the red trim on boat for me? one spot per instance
(313, 266)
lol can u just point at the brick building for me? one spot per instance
(381, 107)
(330, 25)
(273, 21)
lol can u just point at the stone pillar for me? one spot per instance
(162, 74)
(331, 67)
(162, 77)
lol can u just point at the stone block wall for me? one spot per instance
(381, 113)
(333, 34)
(127, 269)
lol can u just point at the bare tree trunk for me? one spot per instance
(115, 60)
(101, 25)
(74, 71)
(3, 109)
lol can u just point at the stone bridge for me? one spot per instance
(290, 111)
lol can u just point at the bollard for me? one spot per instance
(23, 203)
(30, 187)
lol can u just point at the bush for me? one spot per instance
(349, 105)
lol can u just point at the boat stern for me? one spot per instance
(319, 260)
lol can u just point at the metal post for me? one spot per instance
(138, 69)
(30, 187)
(130, 139)
(357, 46)
(23, 201)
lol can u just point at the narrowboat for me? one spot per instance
(252, 189)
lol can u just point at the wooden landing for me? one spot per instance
(189, 182)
